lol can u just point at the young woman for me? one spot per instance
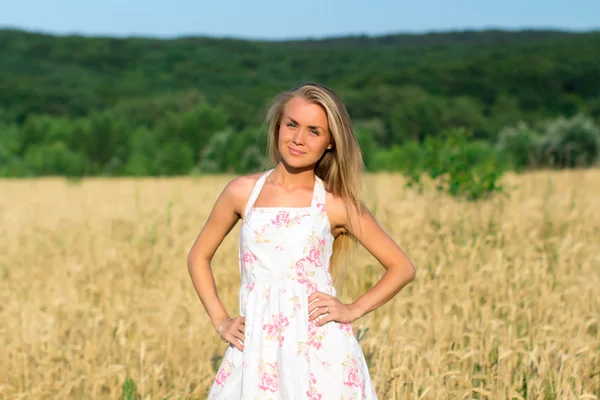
(293, 338)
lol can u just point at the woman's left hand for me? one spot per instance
(329, 308)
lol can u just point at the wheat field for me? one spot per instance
(96, 300)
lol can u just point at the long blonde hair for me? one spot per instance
(340, 168)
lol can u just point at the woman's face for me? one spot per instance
(303, 134)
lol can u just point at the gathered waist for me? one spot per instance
(283, 280)
(248, 284)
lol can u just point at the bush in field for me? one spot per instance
(480, 153)
(54, 159)
(234, 152)
(405, 157)
(463, 169)
(368, 146)
(521, 143)
(174, 158)
(572, 142)
(142, 159)
(10, 161)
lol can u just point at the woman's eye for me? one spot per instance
(291, 125)
(314, 131)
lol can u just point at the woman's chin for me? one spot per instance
(296, 162)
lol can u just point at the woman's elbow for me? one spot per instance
(410, 271)
(197, 259)
(192, 258)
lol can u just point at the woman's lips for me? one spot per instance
(295, 152)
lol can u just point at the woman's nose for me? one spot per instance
(299, 137)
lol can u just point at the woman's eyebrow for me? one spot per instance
(310, 126)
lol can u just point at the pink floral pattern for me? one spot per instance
(315, 335)
(223, 373)
(247, 260)
(314, 254)
(275, 330)
(322, 210)
(283, 219)
(269, 377)
(300, 270)
(284, 258)
(312, 394)
(347, 329)
(311, 287)
(267, 293)
(352, 375)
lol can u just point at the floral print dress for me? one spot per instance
(284, 257)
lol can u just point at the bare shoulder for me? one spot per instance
(242, 185)
(238, 191)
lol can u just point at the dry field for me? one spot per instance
(95, 294)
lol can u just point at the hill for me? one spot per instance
(404, 86)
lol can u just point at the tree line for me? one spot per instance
(81, 106)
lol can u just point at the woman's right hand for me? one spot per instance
(232, 331)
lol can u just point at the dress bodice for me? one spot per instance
(286, 243)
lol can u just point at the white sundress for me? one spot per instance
(283, 258)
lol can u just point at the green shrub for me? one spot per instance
(521, 143)
(366, 140)
(459, 167)
(10, 161)
(572, 142)
(54, 159)
(233, 152)
(174, 158)
(405, 157)
(143, 148)
(130, 391)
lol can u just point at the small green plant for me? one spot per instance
(129, 390)
(450, 161)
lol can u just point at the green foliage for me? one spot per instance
(10, 160)
(238, 152)
(463, 169)
(9, 142)
(465, 112)
(457, 165)
(143, 146)
(408, 156)
(368, 146)
(54, 159)
(521, 143)
(416, 115)
(572, 142)
(194, 127)
(130, 390)
(134, 106)
(147, 111)
(174, 158)
(103, 139)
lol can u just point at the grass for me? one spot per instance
(96, 301)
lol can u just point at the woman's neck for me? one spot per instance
(292, 178)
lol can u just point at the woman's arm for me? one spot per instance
(399, 268)
(224, 216)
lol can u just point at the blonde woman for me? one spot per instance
(293, 339)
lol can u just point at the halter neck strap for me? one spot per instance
(317, 198)
(256, 191)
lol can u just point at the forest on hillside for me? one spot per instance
(82, 106)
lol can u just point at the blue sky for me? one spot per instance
(262, 19)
